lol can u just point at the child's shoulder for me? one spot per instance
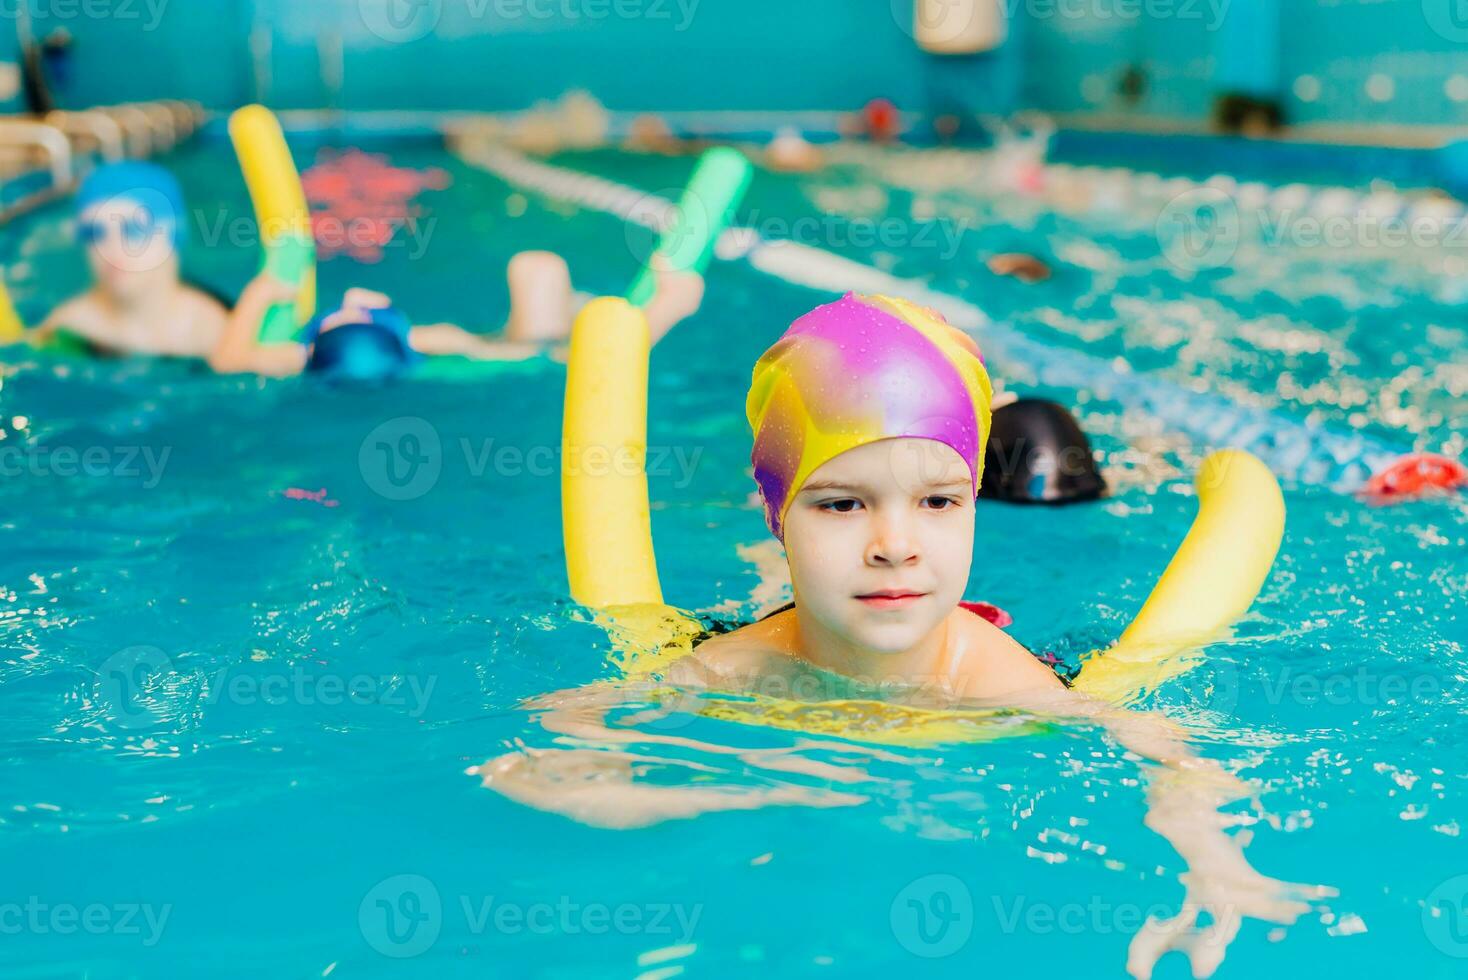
(202, 299)
(83, 314)
(743, 654)
(991, 663)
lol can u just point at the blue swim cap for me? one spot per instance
(1452, 162)
(374, 351)
(146, 184)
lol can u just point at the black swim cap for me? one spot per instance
(1037, 454)
(373, 351)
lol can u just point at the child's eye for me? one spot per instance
(843, 506)
(936, 502)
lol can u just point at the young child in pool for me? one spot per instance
(131, 223)
(870, 416)
(379, 340)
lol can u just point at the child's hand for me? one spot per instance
(271, 291)
(1219, 880)
(678, 295)
(358, 298)
(1228, 892)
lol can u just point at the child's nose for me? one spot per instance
(892, 543)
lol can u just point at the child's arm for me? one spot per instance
(446, 339)
(603, 788)
(598, 783)
(1184, 795)
(79, 317)
(240, 351)
(53, 322)
(1183, 806)
(679, 295)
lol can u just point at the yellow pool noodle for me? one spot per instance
(1213, 578)
(604, 502)
(275, 188)
(11, 327)
(605, 514)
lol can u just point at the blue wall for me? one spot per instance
(129, 50)
(675, 55)
(9, 63)
(1063, 55)
(1327, 54)
(503, 54)
(1414, 42)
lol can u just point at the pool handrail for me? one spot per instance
(137, 127)
(98, 127)
(164, 128)
(49, 140)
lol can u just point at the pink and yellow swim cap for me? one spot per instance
(856, 371)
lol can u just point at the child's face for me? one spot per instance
(880, 540)
(130, 251)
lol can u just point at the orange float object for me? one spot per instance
(1419, 473)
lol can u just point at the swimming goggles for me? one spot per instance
(136, 232)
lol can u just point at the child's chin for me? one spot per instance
(891, 638)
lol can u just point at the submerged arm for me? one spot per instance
(1185, 794)
(581, 713)
(600, 785)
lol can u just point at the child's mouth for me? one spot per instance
(891, 598)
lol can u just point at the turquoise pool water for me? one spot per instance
(252, 635)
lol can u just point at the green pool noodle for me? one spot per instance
(705, 210)
(65, 342)
(287, 258)
(455, 367)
